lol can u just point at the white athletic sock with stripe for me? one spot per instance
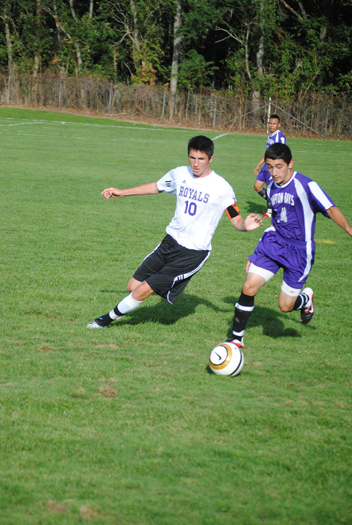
(128, 304)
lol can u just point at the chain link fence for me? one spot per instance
(317, 114)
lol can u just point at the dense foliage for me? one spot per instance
(282, 47)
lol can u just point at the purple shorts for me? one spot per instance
(264, 175)
(294, 257)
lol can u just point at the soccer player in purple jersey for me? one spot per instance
(263, 176)
(288, 243)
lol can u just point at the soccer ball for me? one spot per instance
(226, 359)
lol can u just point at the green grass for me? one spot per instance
(127, 425)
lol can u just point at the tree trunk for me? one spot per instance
(73, 11)
(175, 60)
(9, 47)
(259, 56)
(247, 53)
(56, 18)
(37, 56)
(78, 50)
(135, 36)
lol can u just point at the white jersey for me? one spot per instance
(201, 201)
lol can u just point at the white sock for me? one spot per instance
(126, 305)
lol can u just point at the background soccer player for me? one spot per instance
(263, 176)
(288, 243)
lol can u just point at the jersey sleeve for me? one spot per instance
(167, 183)
(319, 199)
(229, 202)
(282, 138)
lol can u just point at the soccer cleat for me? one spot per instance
(236, 342)
(307, 311)
(268, 213)
(97, 323)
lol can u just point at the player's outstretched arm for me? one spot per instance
(337, 216)
(150, 188)
(251, 222)
(257, 168)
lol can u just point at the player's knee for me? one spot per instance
(249, 289)
(142, 292)
(132, 285)
(285, 307)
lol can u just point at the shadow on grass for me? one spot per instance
(271, 320)
(165, 313)
(257, 206)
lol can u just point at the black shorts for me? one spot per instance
(169, 268)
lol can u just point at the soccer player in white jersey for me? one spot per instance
(201, 198)
(288, 243)
(263, 176)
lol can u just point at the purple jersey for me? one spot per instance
(289, 242)
(264, 175)
(277, 136)
(295, 205)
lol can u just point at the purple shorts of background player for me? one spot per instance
(264, 175)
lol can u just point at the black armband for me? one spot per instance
(232, 211)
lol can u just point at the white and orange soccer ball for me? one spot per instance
(226, 359)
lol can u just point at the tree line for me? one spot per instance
(282, 48)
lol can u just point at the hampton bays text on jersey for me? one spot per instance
(280, 198)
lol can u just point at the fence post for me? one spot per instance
(60, 94)
(8, 89)
(269, 111)
(214, 114)
(110, 97)
(164, 102)
(326, 122)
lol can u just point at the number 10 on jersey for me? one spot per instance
(191, 208)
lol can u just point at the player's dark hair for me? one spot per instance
(274, 116)
(278, 151)
(201, 143)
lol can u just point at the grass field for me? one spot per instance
(127, 425)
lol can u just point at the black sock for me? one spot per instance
(105, 320)
(117, 312)
(244, 308)
(262, 193)
(301, 301)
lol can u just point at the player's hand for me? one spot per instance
(248, 265)
(111, 192)
(253, 221)
(256, 171)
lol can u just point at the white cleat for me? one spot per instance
(95, 324)
(308, 311)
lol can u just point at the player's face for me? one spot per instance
(274, 125)
(199, 162)
(279, 170)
